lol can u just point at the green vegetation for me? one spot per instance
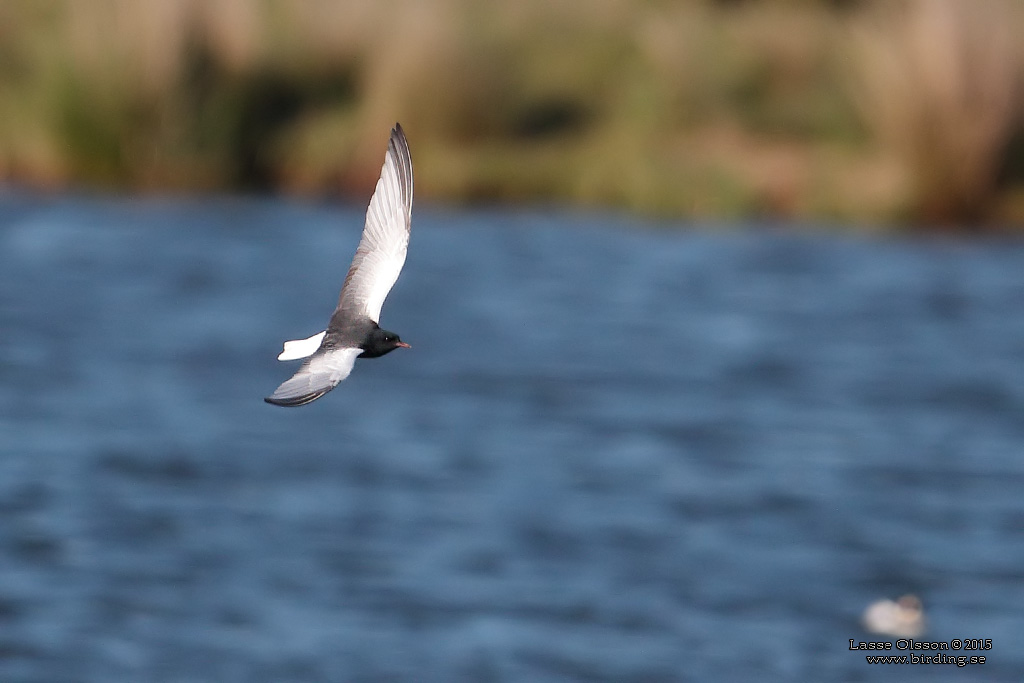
(881, 111)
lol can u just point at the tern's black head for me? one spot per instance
(378, 342)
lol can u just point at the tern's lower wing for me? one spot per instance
(318, 375)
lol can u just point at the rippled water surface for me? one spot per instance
(615, 452)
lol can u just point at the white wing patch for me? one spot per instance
(301, 348)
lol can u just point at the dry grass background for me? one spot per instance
(939, 85)
(882, 111)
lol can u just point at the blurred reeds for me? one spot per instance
(893, 110)
(939, 85)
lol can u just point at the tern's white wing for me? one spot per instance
(316, 377)
(381, 252)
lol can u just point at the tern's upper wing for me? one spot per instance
(381, 253)
(318, 375)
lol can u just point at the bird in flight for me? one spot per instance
(353, 331)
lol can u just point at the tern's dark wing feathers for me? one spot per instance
(381, 252)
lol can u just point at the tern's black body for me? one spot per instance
(347, 331)
(363, 334)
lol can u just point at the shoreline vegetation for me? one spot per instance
(874, 112)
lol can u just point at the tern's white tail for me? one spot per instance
(300, 348)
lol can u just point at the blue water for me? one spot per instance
(616, 452)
